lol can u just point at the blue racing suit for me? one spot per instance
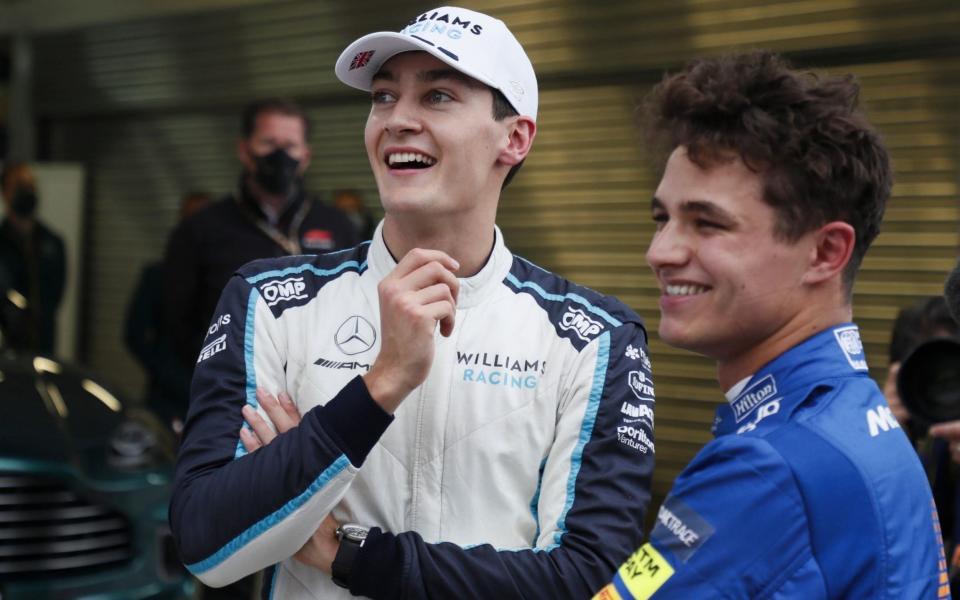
(810, 490)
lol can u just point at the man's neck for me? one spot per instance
(272, 205)
(469, 241)
(802, 326)
(22, 225)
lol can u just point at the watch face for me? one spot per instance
(353, 532)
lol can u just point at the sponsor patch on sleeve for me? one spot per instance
(639, 577)
(679, 529)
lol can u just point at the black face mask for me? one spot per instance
(276, 172)
(24, 202)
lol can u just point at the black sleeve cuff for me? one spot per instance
(378, 569)
(355, 420)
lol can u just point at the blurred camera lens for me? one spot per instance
(929, 381)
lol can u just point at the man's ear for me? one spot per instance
(304, 162)
(243, 153)
(519, 141)
(833, 247)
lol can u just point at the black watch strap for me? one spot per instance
(351, 539)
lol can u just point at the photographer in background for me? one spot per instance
(950, 430)
(929, 319)
(914, 325)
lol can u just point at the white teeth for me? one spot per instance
(408, 157)
(685, 290)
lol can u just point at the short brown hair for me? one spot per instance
(283, 106)
(818, 158)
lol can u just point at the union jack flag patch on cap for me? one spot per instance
(361, 59)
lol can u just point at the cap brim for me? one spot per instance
(385, 45)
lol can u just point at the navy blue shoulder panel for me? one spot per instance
(291, 281)
(577, 312)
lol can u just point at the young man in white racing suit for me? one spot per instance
(774, 189)
(473, 426)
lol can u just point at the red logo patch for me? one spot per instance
(361, 59)
(317, 235)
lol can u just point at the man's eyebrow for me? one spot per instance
(435, 75)
(706, 208)
(701, 207)
(383, 74)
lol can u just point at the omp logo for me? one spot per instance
(355, 335)
(640, 385)
(753, 396)
(881, 419)
(849, 340)
(637, 413)
(577, 321)
(283, 290)
(215, 347)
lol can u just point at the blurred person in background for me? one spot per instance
(351, 203)
(926, 320)
(774, 187)
(32, 265)
(148, 338)
(269, 215)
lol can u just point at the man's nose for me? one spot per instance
(404, 118)
(668, 248)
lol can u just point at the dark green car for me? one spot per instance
(84, 487)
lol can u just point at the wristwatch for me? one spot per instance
(352, 537)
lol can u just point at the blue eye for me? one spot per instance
(437, 97)
(381, 97)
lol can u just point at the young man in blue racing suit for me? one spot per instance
(484, 427)
(774, 188)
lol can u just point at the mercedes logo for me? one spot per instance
(356, 335)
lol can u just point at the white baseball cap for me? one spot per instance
(473, 43)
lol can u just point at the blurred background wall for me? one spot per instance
(146, 95)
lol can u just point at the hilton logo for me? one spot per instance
(355, 335)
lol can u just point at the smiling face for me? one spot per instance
(728, 284)
(432, 141)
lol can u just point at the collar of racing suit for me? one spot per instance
(473, 290)
(776, 390)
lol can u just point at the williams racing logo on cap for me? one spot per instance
(752, 397)
(442, 24)
(849, 340)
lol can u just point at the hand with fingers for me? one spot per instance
(281, 411)
(949, 431)
(420, 294)
(321, 548)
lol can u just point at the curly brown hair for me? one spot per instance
(818, 157)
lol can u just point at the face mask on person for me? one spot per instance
(24, 202)
(276, 172)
